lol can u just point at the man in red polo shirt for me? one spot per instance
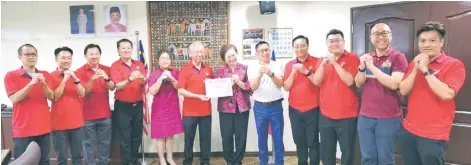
(432, 81)
(380, 73)
(338, 103)
(303, 102)
(96, 106)
(66, 110)
(196, 106)
(129, 78)
(28, 89)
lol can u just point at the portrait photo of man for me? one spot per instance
(115, 18)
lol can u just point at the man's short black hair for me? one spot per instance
(20, 49)
(301, 37)
(432, 26)
(90, 46)
(334, 31)
(261, 43)
(65, 48)
(123, 40)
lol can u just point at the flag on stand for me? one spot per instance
(273, 58)
(141, 58)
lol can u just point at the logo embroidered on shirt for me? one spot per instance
(342, 64)
(435, 71)
(386, 64)
(310, 67)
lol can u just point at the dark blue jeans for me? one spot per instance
(377, 138)
(272, 114)
(421, 151)
(97, 133)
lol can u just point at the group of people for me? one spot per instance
(322, 100)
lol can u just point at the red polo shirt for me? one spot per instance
(96, 103)
(337, 100)
(31, 116)
(192, 79)
(66, 113)
(429, 116)
(120, 71)
(303, 95)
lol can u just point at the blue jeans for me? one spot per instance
(68, 139)
(377, 138)
(272, 114)
(97, 133)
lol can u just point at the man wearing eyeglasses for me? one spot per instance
(303, 102)
(338, 103)
(379, 74)
(266, 80)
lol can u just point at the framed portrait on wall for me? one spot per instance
(115, 20)
(82, 20)
(250, 37)
(281, 42)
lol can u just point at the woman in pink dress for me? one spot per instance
(166, 120)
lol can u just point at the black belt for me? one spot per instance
(271, 102)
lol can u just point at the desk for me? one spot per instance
(6, 156)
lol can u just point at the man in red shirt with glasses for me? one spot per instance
(29, 89)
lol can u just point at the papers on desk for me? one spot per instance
(218, 87)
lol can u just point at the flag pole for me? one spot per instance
(143, 162)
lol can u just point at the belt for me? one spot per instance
(271, 102)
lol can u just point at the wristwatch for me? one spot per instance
(308, 73)
(77, 82)
(107, 80)
(272, 74)
(361, 70)
(428, 72)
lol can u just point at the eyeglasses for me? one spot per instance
(383, 33)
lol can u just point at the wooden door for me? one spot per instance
(404, 19)
(456, 17)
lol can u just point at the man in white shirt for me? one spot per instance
(266, 80)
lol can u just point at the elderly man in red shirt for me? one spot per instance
(432, 81)
(338, 103)
(29, 89)
(196, 105)
(379, 75)
(129, 78)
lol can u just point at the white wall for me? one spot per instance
(46, 25)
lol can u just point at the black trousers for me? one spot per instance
(189, 127)
(421, 151)
(44, 142)
(129, 123)
(343, 130)
(234, 124)
(304, 126)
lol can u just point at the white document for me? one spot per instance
(218, 87)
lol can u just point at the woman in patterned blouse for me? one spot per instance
(234, 110)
